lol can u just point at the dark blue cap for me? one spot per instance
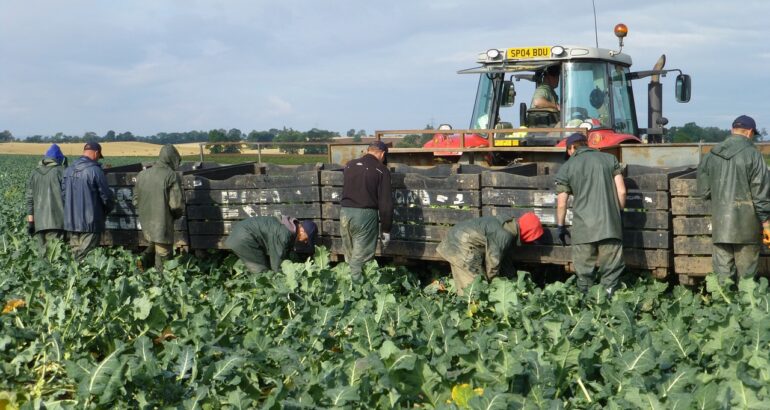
(93, 146)
(576, 137)
(379, 145)
(747, 123)
(311, 229)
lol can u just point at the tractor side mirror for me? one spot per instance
(596, 98)
(683, 88)
(509, 94)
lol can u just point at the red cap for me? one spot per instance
(530, 228)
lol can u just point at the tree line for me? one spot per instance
(689, 132)
(284, 134)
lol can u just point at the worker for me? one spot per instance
(545, 94)
(159, 201)
(263, 242)
(45, 208)
(734, 177)
(594, 180)
(484, 246)
(367, 207)
(87, 200)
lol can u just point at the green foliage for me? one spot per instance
(99, 334)
(414, 140)
(220, 135)
(289, 135)
(6, 136)
(691, 132)
(260, 136)
(318, 136)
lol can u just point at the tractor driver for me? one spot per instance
(545, 97)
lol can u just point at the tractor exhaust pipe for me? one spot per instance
(655, 119)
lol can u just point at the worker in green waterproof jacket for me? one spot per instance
(45, 208)
(734, 177)
(263, 242)
(159, 201)
(594, 180)
(484, 246)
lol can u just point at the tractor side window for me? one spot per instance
(482, 107)
(622, 102)
(586, 95)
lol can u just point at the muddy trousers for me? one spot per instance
(156, 254)
(603, 258)
(359, 228)
(48, 235)
(734, 260)
(83, 242)
(256, 261)
(462, 278)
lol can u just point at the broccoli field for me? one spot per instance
(208, 334)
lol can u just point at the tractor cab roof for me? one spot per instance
(537, 58)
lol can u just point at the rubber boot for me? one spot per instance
(146, 258)
(159, 261)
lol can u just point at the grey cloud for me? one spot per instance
(150, 66)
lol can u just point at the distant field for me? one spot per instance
(282, 159)
(189, 152)
(109, 149)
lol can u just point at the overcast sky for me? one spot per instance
(151, 66)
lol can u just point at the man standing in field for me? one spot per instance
(594, 179)
(87, 200)
(367, 207)
(263, 242)
(484, 246)
(734, 177)
(45, 208)
(159, 201)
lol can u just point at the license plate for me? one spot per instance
(506, 143)
(524, 53)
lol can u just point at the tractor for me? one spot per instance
(594, 96)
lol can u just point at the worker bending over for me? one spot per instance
(484, 246)
(263, 242)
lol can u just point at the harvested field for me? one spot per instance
(112, 149)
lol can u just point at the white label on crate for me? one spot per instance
(441, 198)
(544, 199)
(459, 199)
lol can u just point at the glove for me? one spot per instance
(766, 236)
(31, 228)
(385, 240)
(563, 234)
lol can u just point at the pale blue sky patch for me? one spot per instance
(151, 66)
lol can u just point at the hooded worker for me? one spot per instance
(159, 201)
(484, 246)
(734, 177)
(45, 208)
(263, 242)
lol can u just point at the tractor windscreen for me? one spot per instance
(599, 93)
